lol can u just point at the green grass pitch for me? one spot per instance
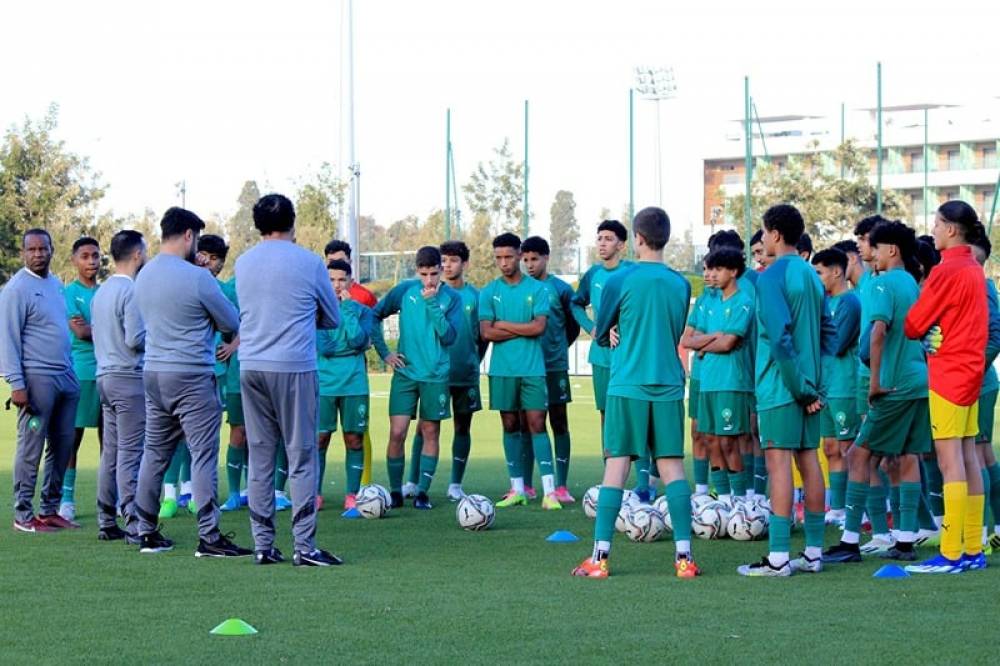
(417, 589)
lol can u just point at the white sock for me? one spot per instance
(548, 483)
(682, 548)
(813, 552)
(601, 547)
(517, 484)
(186, 488)
(883, 537)
(778, 559)
(169, 491)
(996, 529)
(279, 493)
(905, 537)
(986, 533)
(940, 519)
(850, 537)
(454, 486)
(751, 494)
(701, 489)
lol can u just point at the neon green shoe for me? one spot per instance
(550, 503)
(191, 508)
(168, 508)
(512, 499)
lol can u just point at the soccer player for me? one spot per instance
(694, 339)
(182, 306)
(35, 361)
(643, 311)
(236, 452)
(285, 295)
(757, 251)
(805, 247)
(429, 318)
(561, 330)
(954, 300)
(86, 260)
(513, 311)
(343, 381)
(119, 341)
(897, 423)
(790, 323)
(839, 417)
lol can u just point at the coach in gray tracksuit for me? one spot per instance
(284, 294)
(119, 340)
(35, 361)
(182, 307)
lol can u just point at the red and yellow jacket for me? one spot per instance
(954, 298)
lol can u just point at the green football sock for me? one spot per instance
(416, 449)
(994, 491)
(747, 472)
(173, 473)
(609, 503)
(428, 466)
(838, 489)
(875, 506)
(679, 505)
(815, 527)
(543, 453)
(185, 471)
(69, 486)
(642, 472)
(527, 459)
(562, 443)
(354, 466)
(720, 479)
(701, 471)
(395, 467)
(854, 503)
(986, 491)
(461, 445)
(234, 467)
(280, 467)
(894, 505)
(780, 534)
(512, 453)
(909, 500)
(760, 475)
(738, 484)
(935, 486)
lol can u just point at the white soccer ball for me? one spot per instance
(763, 506)
(709, 522)
(372, 502)
(621, 522)
(629, 498)
(475, 513)
(590, 501)
(645, 524)
(757, 522)
(738, 527)
(700, 500)
(663, 507)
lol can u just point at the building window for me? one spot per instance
(917, 208)
(954, 160)
(917, 161)
(989, 157)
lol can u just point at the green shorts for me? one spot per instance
(694, 390)
(406, 393)
(88, 410)
(987, 404)
(839, 419)
(465, 399)
(895, 427)
(788, 427)
(557, 386)
(220, 385)
(638, 428)
(353, 411)
(724, 413)
(602, 376)
(234, 409)
(864, 383)
(512, 394)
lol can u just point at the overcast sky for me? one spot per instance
(216, 93)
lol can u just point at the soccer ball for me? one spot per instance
(590, 502)
(756, 521)
(644, 524)
(629, 498)
(698, 501)
(763, 506)
(475, 513)
(661, 505)
(709, 522)
(738, 526)
(621, 522)
(372, 501)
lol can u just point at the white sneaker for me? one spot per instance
(410, 489)
(878, 544)
(455, 492)
(67, 511)
(924, 535)
(765, 569)
(805, 565)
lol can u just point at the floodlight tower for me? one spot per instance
(656, 84)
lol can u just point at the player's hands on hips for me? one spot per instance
(395, 361)
(614, 336)
(19, 398)
(932, 340)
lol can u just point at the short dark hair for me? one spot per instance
(535, 244)
(866, 225)
(653, 224)
(454, 248)
(725, 238)
(927, 255)
(831, 257)
(212, 244)
(898, 234)
(177, 220)
(339, 265)
(758, 237)
(507, 239)
(847, 247)
(124, 243)
(963, 215)
(273, 213)
(726, 257)
(428, 256)
(615, 227)
(83, 241)
(335, 246)
(36, 231)
(787, 221)
(804, 244)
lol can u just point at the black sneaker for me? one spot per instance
(842, 553)
(221, 547)
(133, 539)
(422, 501)
(154, 542)
(397, 500)
(903, 554)
(317, 558)
(112, 533)
(269, 556)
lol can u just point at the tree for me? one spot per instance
(564, 233)
(315, 203)
(497, 189)
(42, 184)
(240, 231)
(830, 204)
(480, 241)
(679, 253)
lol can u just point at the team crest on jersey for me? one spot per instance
(442, 399)
(472, 394)
(727, 417)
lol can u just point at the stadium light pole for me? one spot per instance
(656, 84)
(843, 133)
(926, 151)
(355, 168)
(747, 166)
(524, 221)
(447, 176)
(878, 189)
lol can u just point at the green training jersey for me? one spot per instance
(341, 352)
(791, 324)
(427, 327)
(840, 360)
(648, 302)
(729, 371)
(561, 328)
(518, 304)
(990, 382)
(233, 367)
(864, 295)
(696, 319)
(78, 297)
(464, 351)
(904, 365)
(221, 367)
(589, 292)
